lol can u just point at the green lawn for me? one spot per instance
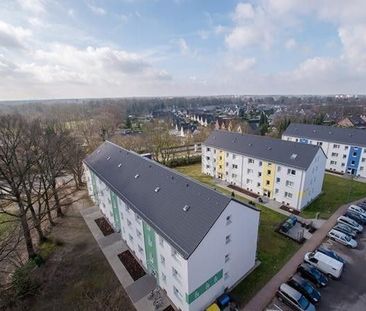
(337, 191)
(274, 250)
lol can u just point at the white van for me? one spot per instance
(328, 265)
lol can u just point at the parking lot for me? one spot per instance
(348, 293)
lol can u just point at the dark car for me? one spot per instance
(304, 287)
(312, 274)
(332, 254)
(356, 217)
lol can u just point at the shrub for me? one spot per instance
(184, 161)
(22, 280)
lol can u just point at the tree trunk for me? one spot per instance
(26, 232)
(37, 224)
(48, 210)
(57, 200)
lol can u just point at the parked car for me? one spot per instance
(328, 265)
(293, 298)
(342, 238)
(289, 223)
(356, 209)
(331, 253)
(350, 222)
(345, 229)
(312, 274)
(356, 217)
(304, 287)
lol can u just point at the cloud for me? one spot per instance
(290, 44)
(33, 6)
(97, 10)
(12, 36)
(183, 46)
(252, 26)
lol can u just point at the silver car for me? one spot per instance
(342, 238)
(293, 298)
(350, 223)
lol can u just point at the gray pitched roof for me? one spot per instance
(264, 148)
(162, 210)
(349, 136)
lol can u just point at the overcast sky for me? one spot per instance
(112, 48)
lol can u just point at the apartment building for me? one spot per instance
(287, 172)
(345, 148)
(194, 240)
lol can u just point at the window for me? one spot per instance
(361, 168)
(354, 154)
(250, 161)
(278, 168)
(269, 172)
(162, 260)
(258, 184)
(227, 154)
(220, 157)
(268, 182)
(207, 166)
(163, 277)
(220, 166)
(291, 172)
(353, 162)
(259, 174)
(288, 195)
(138, 233)
(140, 249)
(130, 237)
(175, 273)
(277, 191)
(208, 149)
(127, 209)
(234, 175)
(208, 158)
(228, 220)
(278, 179)
(363, 160)
(235, 166)
(228, 239)
(260, 163)
(343, 164)
(138, 218)
(227, 257)
(175, 254)
(177, 293)
(161, 241)
(249, 171)
(249, 181)
(344, 156)
(289, 183)
(335, 146)
(333, 162)
(226, 275)
(345, 147)
(128, 222)
(234, 156)
(319, 143)
(227, 164)
(334, 154)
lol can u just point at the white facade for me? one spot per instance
(288, 185)
(225, 255)
(341, 158)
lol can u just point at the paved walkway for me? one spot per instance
(111, 246)
(265, 295)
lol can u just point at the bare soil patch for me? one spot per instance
(104, 226)
(132, 265)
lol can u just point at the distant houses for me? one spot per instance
(353, 121)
